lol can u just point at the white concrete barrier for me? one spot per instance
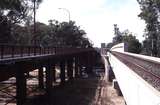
(121, 47)
(135, 90)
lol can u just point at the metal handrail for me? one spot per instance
(11, 51)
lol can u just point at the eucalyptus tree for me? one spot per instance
(13, 12)
(150, 13)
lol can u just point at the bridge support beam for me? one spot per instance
(54, 72)
(76, 67)
(62, 71)
(70, 68)
(20, 85)
(41, 78)
(80, 65)
(89, 62)
(49, 79)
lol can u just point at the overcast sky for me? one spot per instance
(96, 17)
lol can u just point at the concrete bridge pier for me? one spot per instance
(21, 89)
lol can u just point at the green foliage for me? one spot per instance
(133, 44)
(150, 10)
(55, 34)
(13, 12)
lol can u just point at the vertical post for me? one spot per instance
(89, 62)
(41, 78)
(80, 64)
(12, 51)
(54, 72)
(2, 51)
(20, 85)
(21, 48)
(76, 67)
(49, 79)
(29, 50)
(62, 73)
(35, 48)
(70, 68)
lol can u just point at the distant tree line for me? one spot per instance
(17, 27)
(133, 44)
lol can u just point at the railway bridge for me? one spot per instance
(135, 76)
(18, 61)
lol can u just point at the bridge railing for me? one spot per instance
(138, 76)
(11, 51)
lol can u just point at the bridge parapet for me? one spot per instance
(138, 76)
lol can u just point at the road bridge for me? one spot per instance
(18, 61)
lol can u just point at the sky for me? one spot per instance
(96, 17)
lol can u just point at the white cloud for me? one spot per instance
(96, 17)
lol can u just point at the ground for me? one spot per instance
(82, 91)
(94, 90)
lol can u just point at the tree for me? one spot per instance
(133, 44)
(13, 12)
(68, 34)
(118, 35)
(150, 14)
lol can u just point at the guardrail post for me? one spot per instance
(29, 50)
(62, 72)
(2, 51)
(13, 51)
(20, 85)
(21, 48)
(40, 50)
(34, 50)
